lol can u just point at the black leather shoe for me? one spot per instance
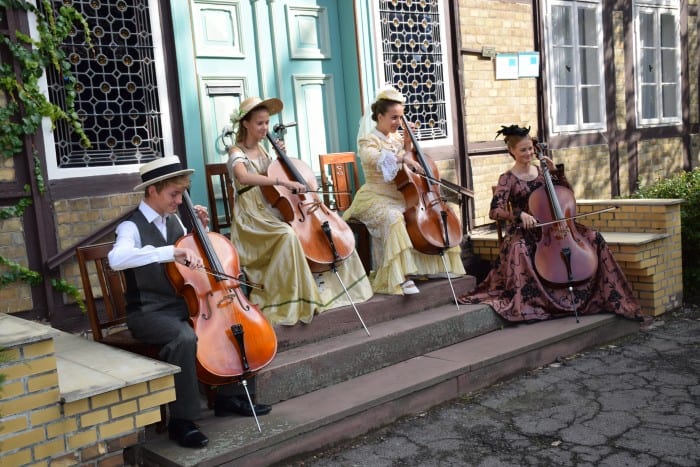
(238, 405)
(186, 434)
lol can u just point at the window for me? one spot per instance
(573, 37)
(414, 60)
(117, 93)
(657, 69)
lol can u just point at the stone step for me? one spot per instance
(380, 308)
(352, 407)
(305, 368)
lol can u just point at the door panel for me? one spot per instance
(270, 49)
(312, 78)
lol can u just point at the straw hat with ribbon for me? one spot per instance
(160, 169)
(273, 106)
(391, 94)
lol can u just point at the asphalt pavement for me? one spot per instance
(635, 402)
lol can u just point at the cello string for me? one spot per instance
(460, 190)
(221, 275)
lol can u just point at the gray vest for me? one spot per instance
(147, 287)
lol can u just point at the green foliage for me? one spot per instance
(16, 273)
(26, 105)
(24, 96)
(685, 185)
(69, 289)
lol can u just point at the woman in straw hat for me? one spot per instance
(269, 249)
(380, 206)
(156, 313)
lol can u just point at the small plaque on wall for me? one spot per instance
(528, 64)
(506, 66)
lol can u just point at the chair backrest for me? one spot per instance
(500, 224)
(342, 167)
(220, 192)
(92, 259)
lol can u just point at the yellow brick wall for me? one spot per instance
(16, 296)
(654, 161)
(619, 60)
(587, 169)
(655, 270)
(77, 218)
(37, 429)
(506, 26)
(7, 166)
(485, 172)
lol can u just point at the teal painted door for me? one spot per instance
(311, 80)
(291, 49)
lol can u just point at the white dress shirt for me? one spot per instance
(129, 253)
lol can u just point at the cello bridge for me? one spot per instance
(228, 299)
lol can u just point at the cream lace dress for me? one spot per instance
(380, 206)
(271, 254)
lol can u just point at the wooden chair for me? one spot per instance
(345, 181)
(220, 192)
(500, 224)
(108, 321)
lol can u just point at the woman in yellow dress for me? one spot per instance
(269, 250)
(380, 205)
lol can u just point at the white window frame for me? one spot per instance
(657, 8)
(579, 126)
(56, 173)
(447, 67)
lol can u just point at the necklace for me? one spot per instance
(249, 148)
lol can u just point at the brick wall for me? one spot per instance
(507, 26)
(77, 218)
(656, 273)
(38, 429)
(654, 163)
(16, 296)
(485, 171)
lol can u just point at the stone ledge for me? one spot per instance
(87, 368)
(619, 238)
(15, 331)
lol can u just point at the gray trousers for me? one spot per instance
(172, 330)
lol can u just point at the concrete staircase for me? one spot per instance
(330, 381)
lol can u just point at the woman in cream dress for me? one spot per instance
(269, 250)
(380, 206)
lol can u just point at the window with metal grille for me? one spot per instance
(116, 90)
(412, 40)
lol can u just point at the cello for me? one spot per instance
(234, 339)
(563, 257)
(431, 224)
(325, 238)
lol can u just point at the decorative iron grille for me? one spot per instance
(116, 89)
(412, 57)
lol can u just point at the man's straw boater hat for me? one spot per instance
(160, 169)
(273, 106)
